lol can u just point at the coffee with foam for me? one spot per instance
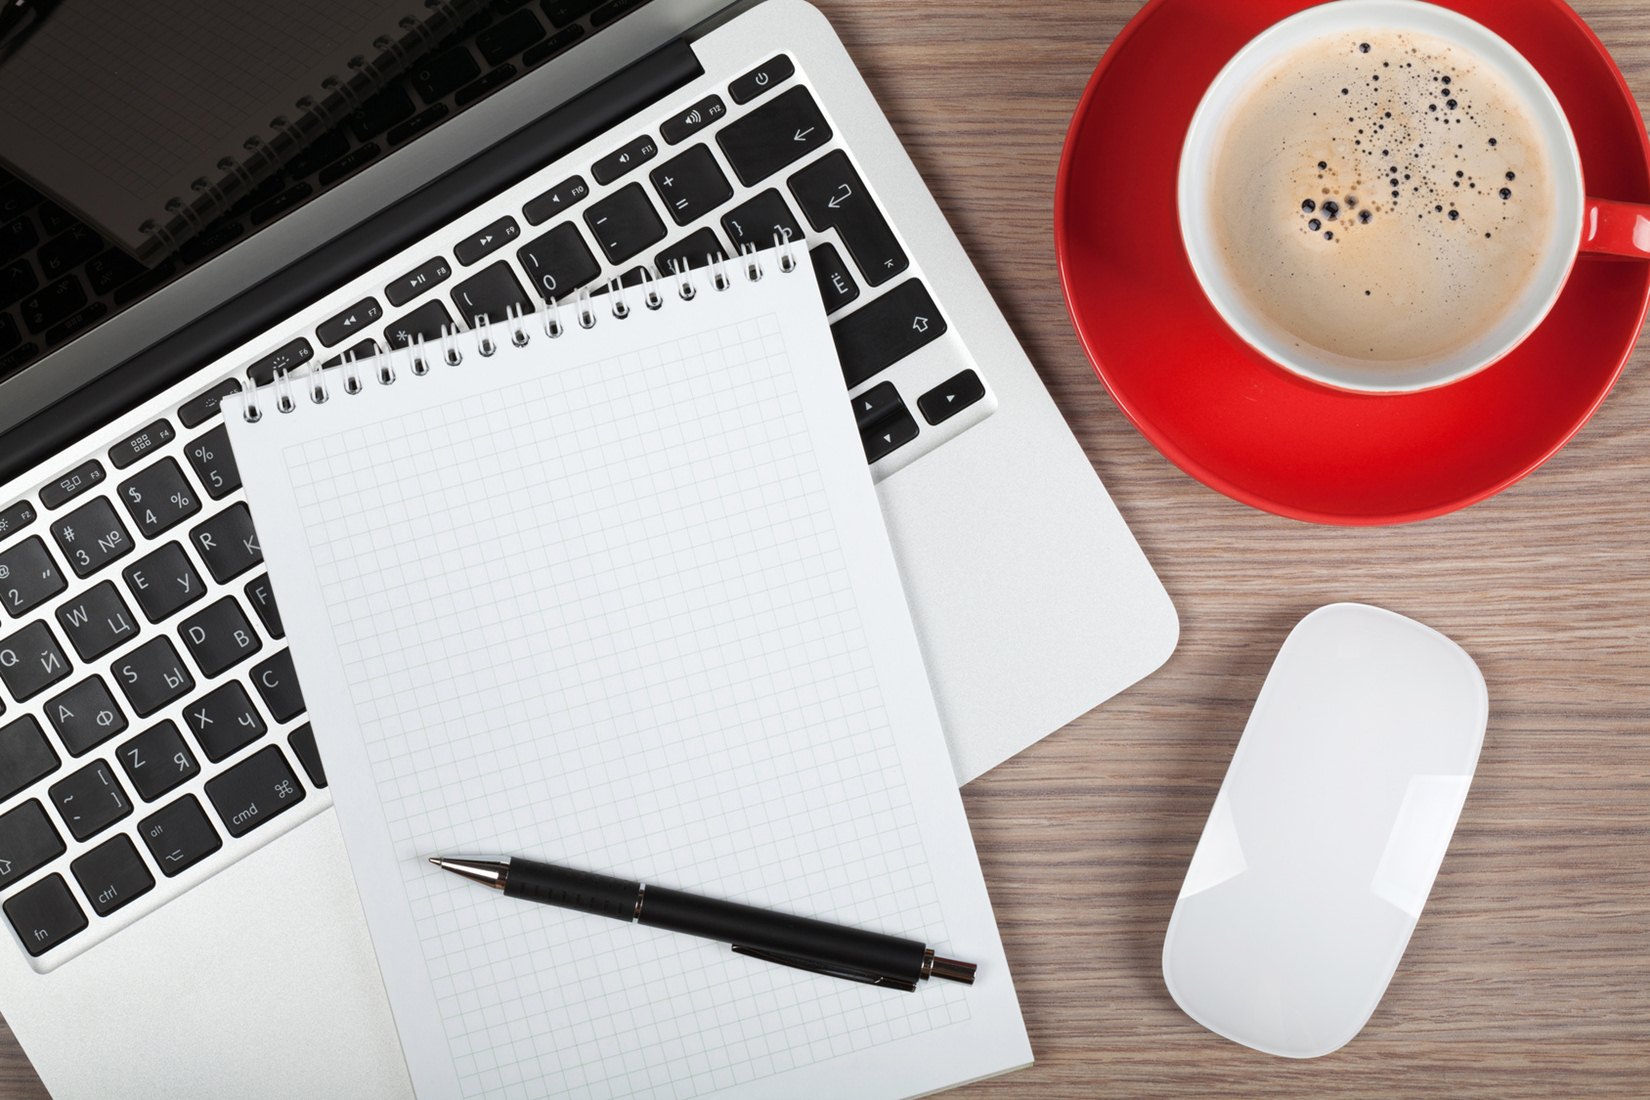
(1382, 196)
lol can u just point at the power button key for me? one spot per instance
(772, 72)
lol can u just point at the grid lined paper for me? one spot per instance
(606, 614)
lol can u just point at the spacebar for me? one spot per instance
(875, 337)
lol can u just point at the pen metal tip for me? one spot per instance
(486, 872)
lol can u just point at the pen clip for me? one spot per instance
(863, 976)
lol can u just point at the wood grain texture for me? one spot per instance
(1529, 975)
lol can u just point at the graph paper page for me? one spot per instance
(625, 602)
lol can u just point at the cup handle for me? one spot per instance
(1616, 229)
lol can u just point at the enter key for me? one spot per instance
(833, 196)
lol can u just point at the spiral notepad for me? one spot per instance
(608, 585)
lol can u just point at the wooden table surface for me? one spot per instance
(1530, 972)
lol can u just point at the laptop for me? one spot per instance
(477, 158)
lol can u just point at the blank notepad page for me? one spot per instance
(624, 601)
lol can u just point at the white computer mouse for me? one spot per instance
(1324, 841)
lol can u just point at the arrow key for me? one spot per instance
(876, 403)
(888, 434)
(943, 402)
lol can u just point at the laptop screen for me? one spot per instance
(138, 141)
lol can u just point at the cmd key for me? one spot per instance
(259, 788)
(775, 136)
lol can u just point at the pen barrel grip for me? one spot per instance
(829, 945)
(600, 895)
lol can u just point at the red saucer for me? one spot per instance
(1241, 425)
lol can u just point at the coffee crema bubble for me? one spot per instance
(1382, 195)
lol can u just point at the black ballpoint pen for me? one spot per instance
(815, 945)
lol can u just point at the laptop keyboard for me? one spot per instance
(151, 721)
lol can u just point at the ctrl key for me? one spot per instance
(179, 836)
(45, 915)
(112, 874)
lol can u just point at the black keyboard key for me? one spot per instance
(431, 273)
(702, 115)
(219, 637)
(832, 196)
(45, 915)
(478, 246)
(164, 582)
(31, 661)
(28, 577)
(78, 320)
(158, 498)
(438, 76)
(761, 221)
(945, 401)
(27, 841)
(227, 543)
(417, 124)
(224, 721)
(198, 410)
(380, 111)
(355, 353)
(209, 243)
(140, 443)
(17, 237)
(111, 269)
(284, 358)
(87, 475)
(277, 682)
(478, 88)
(348, 165)
(876, 403)
(92, 536)
(68, 250)
(876, 336)
(262, 598)
(152, 675)
(12, 520)
(612, 10)
(768, 75)
(179, 836)
(256, 790)
(214, 463)
(96, 621)
(90, 800)
(428, 322)
(566, 194)
(625, 223)
(559, 262)
(352, 322)
(10, 337)
(509, 36)
(888, 434)
(698, 249)
(563, 12)
(552, 46)
(490, 293)
(112, 874)
(54, 218)
(303, 745)
(85, 716)
(628, 157)
(52, 303)
(836, 283)
(279, 203)
(25, 755)
(326, 148)
(691, 184)
(774, 136)
(16, 279)
(157, 761)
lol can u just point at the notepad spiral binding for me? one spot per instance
(453, 345)
(261, 155)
